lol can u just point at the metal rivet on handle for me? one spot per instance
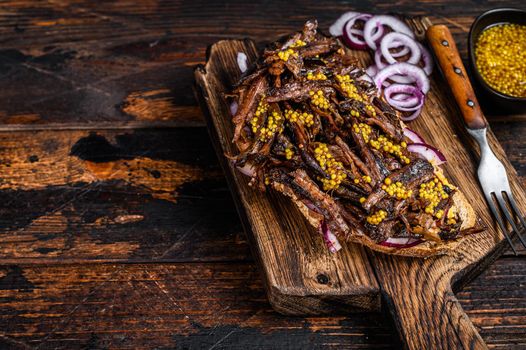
(457, 70)
(445, 43)
(471, 103)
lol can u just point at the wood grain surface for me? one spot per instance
(404, 282)
(83, 268)
(301, 278)
(129, 64)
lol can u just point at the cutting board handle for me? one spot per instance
(426, 312)
(446, 53)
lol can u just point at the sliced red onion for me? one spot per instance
(430, 153)
(413, 136)
(336, 29)
(242, 62)
(412, 116)
(397, 78)
(366, 77)
(394, 39)
(402, 79)
(421, 79)
(414, 98)
(405, 99)
(330, 239)
(402, 52)
(379, 22)
(247, 169)
(401, 242)
(353, 37)
(402, 97)
(233, 108)
(416, 108)
(371, 70)
(427, 58)
(378, 60)
(377, 34)
(409, 104)
(311, 206)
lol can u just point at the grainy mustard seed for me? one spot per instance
(500, 56)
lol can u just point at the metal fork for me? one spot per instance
(491, 173)
(494, 182)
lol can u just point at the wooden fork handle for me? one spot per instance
(446, 53)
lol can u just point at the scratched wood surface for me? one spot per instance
(403, 281)
(115, 233)
(300, 277)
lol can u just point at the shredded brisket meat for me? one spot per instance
(311, 122)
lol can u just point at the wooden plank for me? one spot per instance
(495, 304)
(301, 275)
(169, 306)
(165, 306)
(82, 63)
(141, 195)
(403, 281)
(420, 292)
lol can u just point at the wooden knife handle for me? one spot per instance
(446, 53)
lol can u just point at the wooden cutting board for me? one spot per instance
(302, 277)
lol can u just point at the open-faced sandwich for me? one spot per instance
(311, 125)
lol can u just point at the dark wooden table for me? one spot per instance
(117, 227)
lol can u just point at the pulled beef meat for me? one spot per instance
(308, 125)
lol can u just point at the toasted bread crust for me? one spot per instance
(423, 250)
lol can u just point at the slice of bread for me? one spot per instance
(422, 250)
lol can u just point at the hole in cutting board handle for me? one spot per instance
(322, 278)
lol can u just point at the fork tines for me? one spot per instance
(510, 211)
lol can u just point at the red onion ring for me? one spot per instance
(430, 153)
(336, 29)
(403, 100)
(366, 77)
(401, 79)
(378, 60)
(418, 107)
(413, 136)
(427, 59)
(417, 73)
(378, 33)
(394, 38)
(371, 70)
(404, 51)
(330, 239)
(381, 21)
(414, 100)
(403, 97)
(350, 34)
(378, 56)
(387, 71)
(396, 78)
(412, 116)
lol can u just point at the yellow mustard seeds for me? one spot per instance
(500, 56)
(377, 217)
(334, 168)
(319, 100)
